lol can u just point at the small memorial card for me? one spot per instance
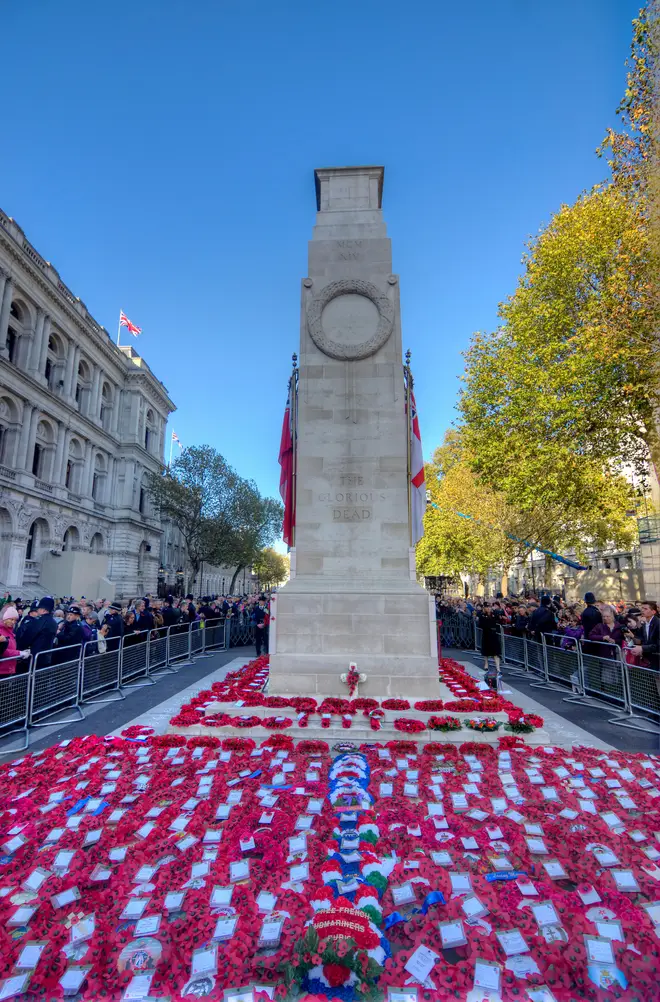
(266, 901)
(204, 961)
(138, 987)
(221, 896)
(421, 963)
(239, 870)
(487, 975)
(555, 870)
(473, 908)
(599, 949)
(72, 980)
(512, 942)
(452, 933)
(65, 897)
(299, 873)
(461, 883)
(403, 894)
(225, 927)
(14, 985)
(29, 956)
(271, 931)
(134, 908)
(174, 901)
(545, 914)
(625, 880)
(442, 859)
(147, 926)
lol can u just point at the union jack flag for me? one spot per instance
(125, 322)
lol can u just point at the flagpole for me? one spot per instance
(119, 329)
(294, 438)
(171, 447)
(408, 379)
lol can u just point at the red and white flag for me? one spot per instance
(125, 322)
(175, 438)
(417, 481)
(286, 470)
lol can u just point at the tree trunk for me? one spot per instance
(233, 580)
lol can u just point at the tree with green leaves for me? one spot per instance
(223, 518)
(271, 568)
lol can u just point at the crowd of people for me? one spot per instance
(601, 626)
(56, 630)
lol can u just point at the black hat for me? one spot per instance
(46, 603)
(116, 606)
(546, 600)
(34, 605)
(76, 610)
(189, 598)
(590, 598)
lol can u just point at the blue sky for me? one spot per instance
(161, 152)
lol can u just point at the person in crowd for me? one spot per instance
(171, 614)
(9, 652)
(70, 637)
(37, 631)
(261, 620)
(542, 621)
(607, 635)
(115, 623)
(591, 614)
(490, 642)
(571, 628)
(97, 643)
(143, 616)
(131, 629)
(648, 636)
(520, 625)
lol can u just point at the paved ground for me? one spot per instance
(592, 719)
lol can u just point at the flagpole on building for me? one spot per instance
(408, 380)
(294, 438)
(119, 329)
(171, 447)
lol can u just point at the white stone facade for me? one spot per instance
(82, 422)
(352, 594)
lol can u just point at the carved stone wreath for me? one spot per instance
(346, 286)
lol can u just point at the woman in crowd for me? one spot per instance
(8, 648)
(571, 627)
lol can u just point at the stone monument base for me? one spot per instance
(391, 637)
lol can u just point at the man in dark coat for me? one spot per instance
(648, 635)
(543, 619)
(70, 637)
(171, 616)
(591, 615)
(36, 633)
(115, 625)
(261, 620)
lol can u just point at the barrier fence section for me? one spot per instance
(69, 678)
(597, 674)
(15, 699)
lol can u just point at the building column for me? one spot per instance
(58, 465)
(128, 483)
(69, 370)
(7, 286)
(35, 350)
(110, 494)
(16, 563)
(94, 397)
(44, 344)
(29, 415)
(116, 409)
(32, 439)
(86, 474)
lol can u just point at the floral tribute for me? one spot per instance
(173, 867)
(245, 689)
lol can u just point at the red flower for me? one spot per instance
(336, 974)
(316, 959)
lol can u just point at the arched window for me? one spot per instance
(74, 466)
(19, 323)
(38, 535)
(44, 450)
(99, 478)
(83, 385)
(96, 544)
(9, 431)
(106, 406)
(71, 538)
(55, 361)
(150, 431)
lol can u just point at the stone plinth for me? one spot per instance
(352, 596)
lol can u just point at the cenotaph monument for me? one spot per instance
(352, 596)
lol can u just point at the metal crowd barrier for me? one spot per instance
(456, 630)
(15, 699)
(69, 678)
(597, 673)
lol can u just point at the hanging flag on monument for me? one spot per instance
(286, 468)
(417, 481)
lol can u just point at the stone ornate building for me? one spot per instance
(82, 422)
